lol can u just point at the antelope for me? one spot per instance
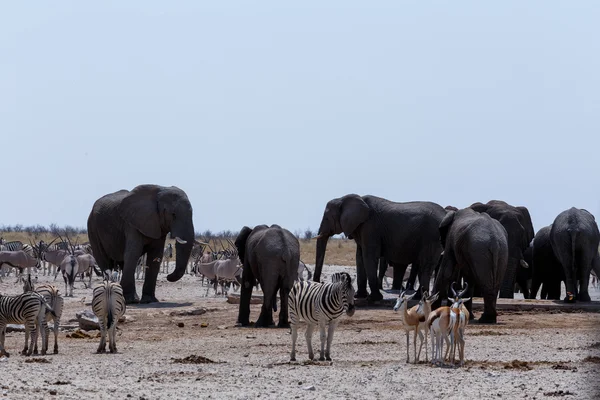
(410, 321)
(448, 322)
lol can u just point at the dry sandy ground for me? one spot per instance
(551, 350)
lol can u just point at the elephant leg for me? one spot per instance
(361, 275)
(132, 254)
(283, 313)
(269, 287)
(412, 279)
(248, 282)
(149, 288)
(370, 259)
(381, 271)
(399, 270)
(507, 289)
(584, 294)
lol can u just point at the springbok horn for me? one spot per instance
(462, 293)
(452, 289)
(180, 240)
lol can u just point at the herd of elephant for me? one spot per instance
(491, 246)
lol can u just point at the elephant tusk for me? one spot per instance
(524, 264)
(180, 241)
(317, 237)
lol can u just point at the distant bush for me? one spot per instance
(308, 234)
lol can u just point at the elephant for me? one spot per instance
(399, 272)
(126, 224)
(547, 271)
(270, 254)
(518, 225)
(574, 237)
(476, 248)
(402, 233)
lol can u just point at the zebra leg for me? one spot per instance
(44, 331)
(309, 333)
(323, 340)
(30, 335)
(56, 325)
(112, 340)
(332, 325)
(2, 337)
(102, 346)
(294, 338)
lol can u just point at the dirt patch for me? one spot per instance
(194, 359)
(595, 345)
(559, 393)
(58, 383)
(486, 333)
(37, 360)
(564, 367)
(592, 359)
(517, 364)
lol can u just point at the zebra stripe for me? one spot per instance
(28, 309)
(320, 304)
(52, 296)
(12, 246)
(108, 304)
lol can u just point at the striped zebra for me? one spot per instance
(320, 304)
(54, 299)
(167, 255)
(108, 304)
(11, 246)
(28, 309)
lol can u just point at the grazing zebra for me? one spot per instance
(320, 304)
(108, 304)
(167, 255)
(55, 300)
(28, 309)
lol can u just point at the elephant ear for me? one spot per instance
(528, 225)
(445, 226)
(353, 212)
(240, 242)
(140, 209)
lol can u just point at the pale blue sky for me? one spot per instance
(264, 111)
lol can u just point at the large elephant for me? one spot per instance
(518, 225)
(574, 237)
(271, 255)
(476, 248)
(547, 270)
(402, 233)
(126, 224)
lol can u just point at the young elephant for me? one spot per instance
(476, 247)
(271, 255)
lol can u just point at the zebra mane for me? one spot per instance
(343, 277)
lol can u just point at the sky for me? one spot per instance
(264, 111)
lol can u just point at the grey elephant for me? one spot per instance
(402, 233)
(271, 256)
(518, 225)
(476, 248)
(574, 237)
(126, 224)
(546, 269)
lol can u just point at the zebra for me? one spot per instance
(28, 309)
(320, 304)
(11, 246)
(167, 255)
(54, 299)
(108, 305)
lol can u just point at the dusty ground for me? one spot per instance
(527, 355)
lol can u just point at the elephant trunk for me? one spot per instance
(183, 251)
(321, 248)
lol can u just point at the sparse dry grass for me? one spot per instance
(339, 251)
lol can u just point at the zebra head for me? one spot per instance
(344, 280)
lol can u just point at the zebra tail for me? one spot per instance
(109, 304)
(97, 270)
(48, 307)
